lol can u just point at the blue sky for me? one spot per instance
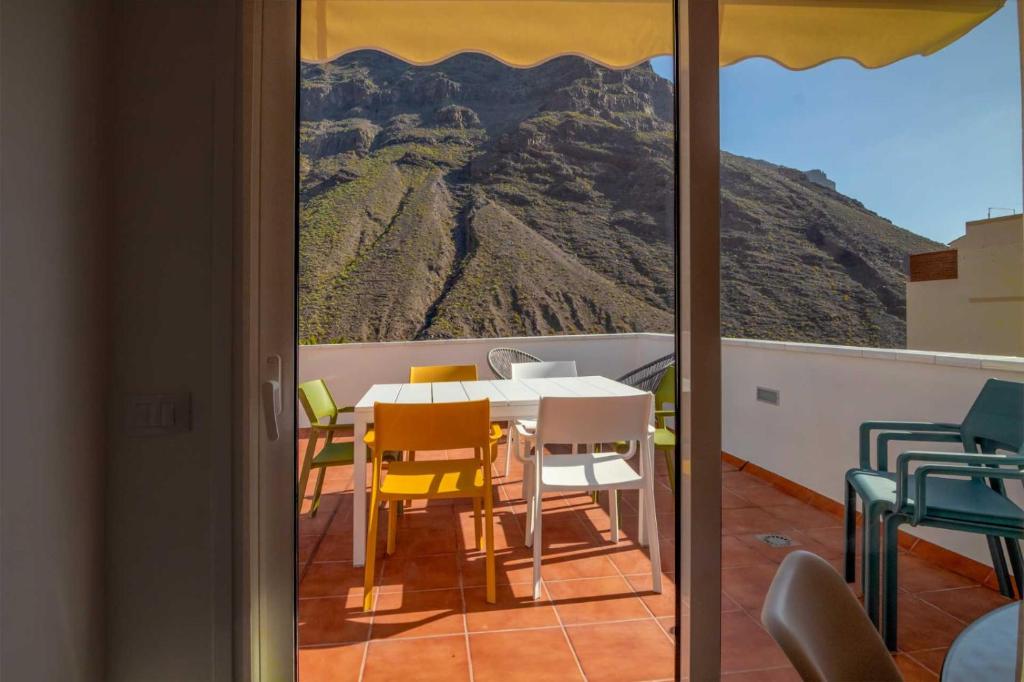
(928, 142)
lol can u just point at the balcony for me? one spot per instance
(598, 620)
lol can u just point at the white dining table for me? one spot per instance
(509, 400)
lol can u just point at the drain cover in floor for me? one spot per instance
(775, 540)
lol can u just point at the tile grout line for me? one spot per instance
(594, 535)
(919, 661)
(536, 628)
(460, 543)
(544, 591)
(319, 541)
(369, 630)
(626, 580)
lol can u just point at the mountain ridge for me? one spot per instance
(473, 199)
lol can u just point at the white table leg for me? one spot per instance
(359, 492)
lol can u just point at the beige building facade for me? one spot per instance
(970, 298)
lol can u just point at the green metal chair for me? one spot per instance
(963, 491)
(875, 486)
(970, 497)
(318, 404)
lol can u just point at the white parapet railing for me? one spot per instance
(825, 392)
(351, 368)
(809, 437)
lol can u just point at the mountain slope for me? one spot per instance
(473, 199)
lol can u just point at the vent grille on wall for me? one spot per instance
(768, 395)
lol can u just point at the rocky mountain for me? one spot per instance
(474, 199)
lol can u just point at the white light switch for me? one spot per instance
(158, 414)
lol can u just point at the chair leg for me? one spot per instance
(999, 565)
(477, 524)
(523, 447)
(890, 592)
(850, 540)
(613, 513)
(316, 491)
(392, 525)
(871, 562)
(304, 472)
(528, 496)
(671, 467)
(510, 442)
(1017, 564)
(371, 551)
(650, 520)
(641, 531)
(412, 458)
(537, 543)
(489, 539)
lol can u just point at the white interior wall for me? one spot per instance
(54, 238)
(169, 498)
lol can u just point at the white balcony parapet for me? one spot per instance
(825, 392)
(996, 362)
(351, 368)
(809, 437)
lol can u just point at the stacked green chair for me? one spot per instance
(955, 491)
(318, 404)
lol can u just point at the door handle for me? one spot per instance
(271, 408)
(271, 394)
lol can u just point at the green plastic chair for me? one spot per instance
(956, 491)
(318, 405)
(665, 438)
(659, 377)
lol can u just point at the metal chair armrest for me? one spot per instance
(330, 427)
(496, 434)
(886, 437)
(984, 472)
(529, 435)
(979, 461)
(867, 427)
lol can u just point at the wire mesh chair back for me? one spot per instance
(500, 360)
(649, 376)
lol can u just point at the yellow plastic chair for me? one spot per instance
(432, 426)
(318, 404)
(430, 373)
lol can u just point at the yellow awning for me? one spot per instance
(798, 34)
(615, 33)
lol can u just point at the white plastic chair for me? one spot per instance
(535, 370)
(593, 420)
(542, 370)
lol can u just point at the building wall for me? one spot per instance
(54, 239)
(826, 392)
(169, 498)
(982, 310)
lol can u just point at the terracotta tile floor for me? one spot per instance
(598, 618)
